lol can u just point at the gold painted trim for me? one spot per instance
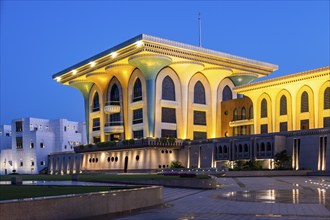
(78, 81)
(245, 74)
(188, 62)
(296, 77)
(95, 74)
(149, 55)
(118, 65)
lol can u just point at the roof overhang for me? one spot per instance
(306, 75)
(146, 44)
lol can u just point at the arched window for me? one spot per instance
(264, 108)
(251, 112)
(304, 102)
(243, 111)
(225, 150)
(114, 95)
(326, 99)
(137, 91)
(246, 148)
(199, 93)
(262, 146)
(168, 89)
(96, 103)
(220, 149)
(269, 146)
(283, 105)
(227, 94)
(235, 114)
(240, 148)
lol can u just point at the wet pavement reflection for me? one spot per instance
(294, 196)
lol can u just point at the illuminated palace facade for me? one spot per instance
(153, 101)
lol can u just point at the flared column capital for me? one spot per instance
(190, 67)
(243, 78)
(83, 86)
(121, 71)
(150, 64)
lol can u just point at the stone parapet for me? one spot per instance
(78, 206)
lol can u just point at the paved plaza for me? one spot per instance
(247, 198)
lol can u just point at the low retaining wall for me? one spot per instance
(82, 205)
(193, 183)
(267, 173)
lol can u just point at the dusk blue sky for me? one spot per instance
(39, 39)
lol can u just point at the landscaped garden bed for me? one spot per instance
(31, 191)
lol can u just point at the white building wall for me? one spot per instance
(6, 161)
(41, 137)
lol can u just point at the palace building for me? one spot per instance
(150, 101)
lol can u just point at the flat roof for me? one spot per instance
(282, 79)
(169, 43)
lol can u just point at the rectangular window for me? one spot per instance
(96, 124)
(32, 163)
(42, 145)
(96, 140)
(283, 126)
(42, 163)
(137, 116)
(243, 130)
(115, 137)
(251, 129)
(264, 129)
(19, 126)
(21, 164)
(199, 135)
(304, 124)
(169, 133)
(235, 131)
(138, 134)
(168, 115)
(114, 120)
(64, 128)
(19, 142)
(199, 118)
(326, 122)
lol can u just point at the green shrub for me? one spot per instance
(282, 160)
(247, 165)
(176, 164)
(103, 144)
(131, 141)
(171, 140)
(163, 140)
(81, 146)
